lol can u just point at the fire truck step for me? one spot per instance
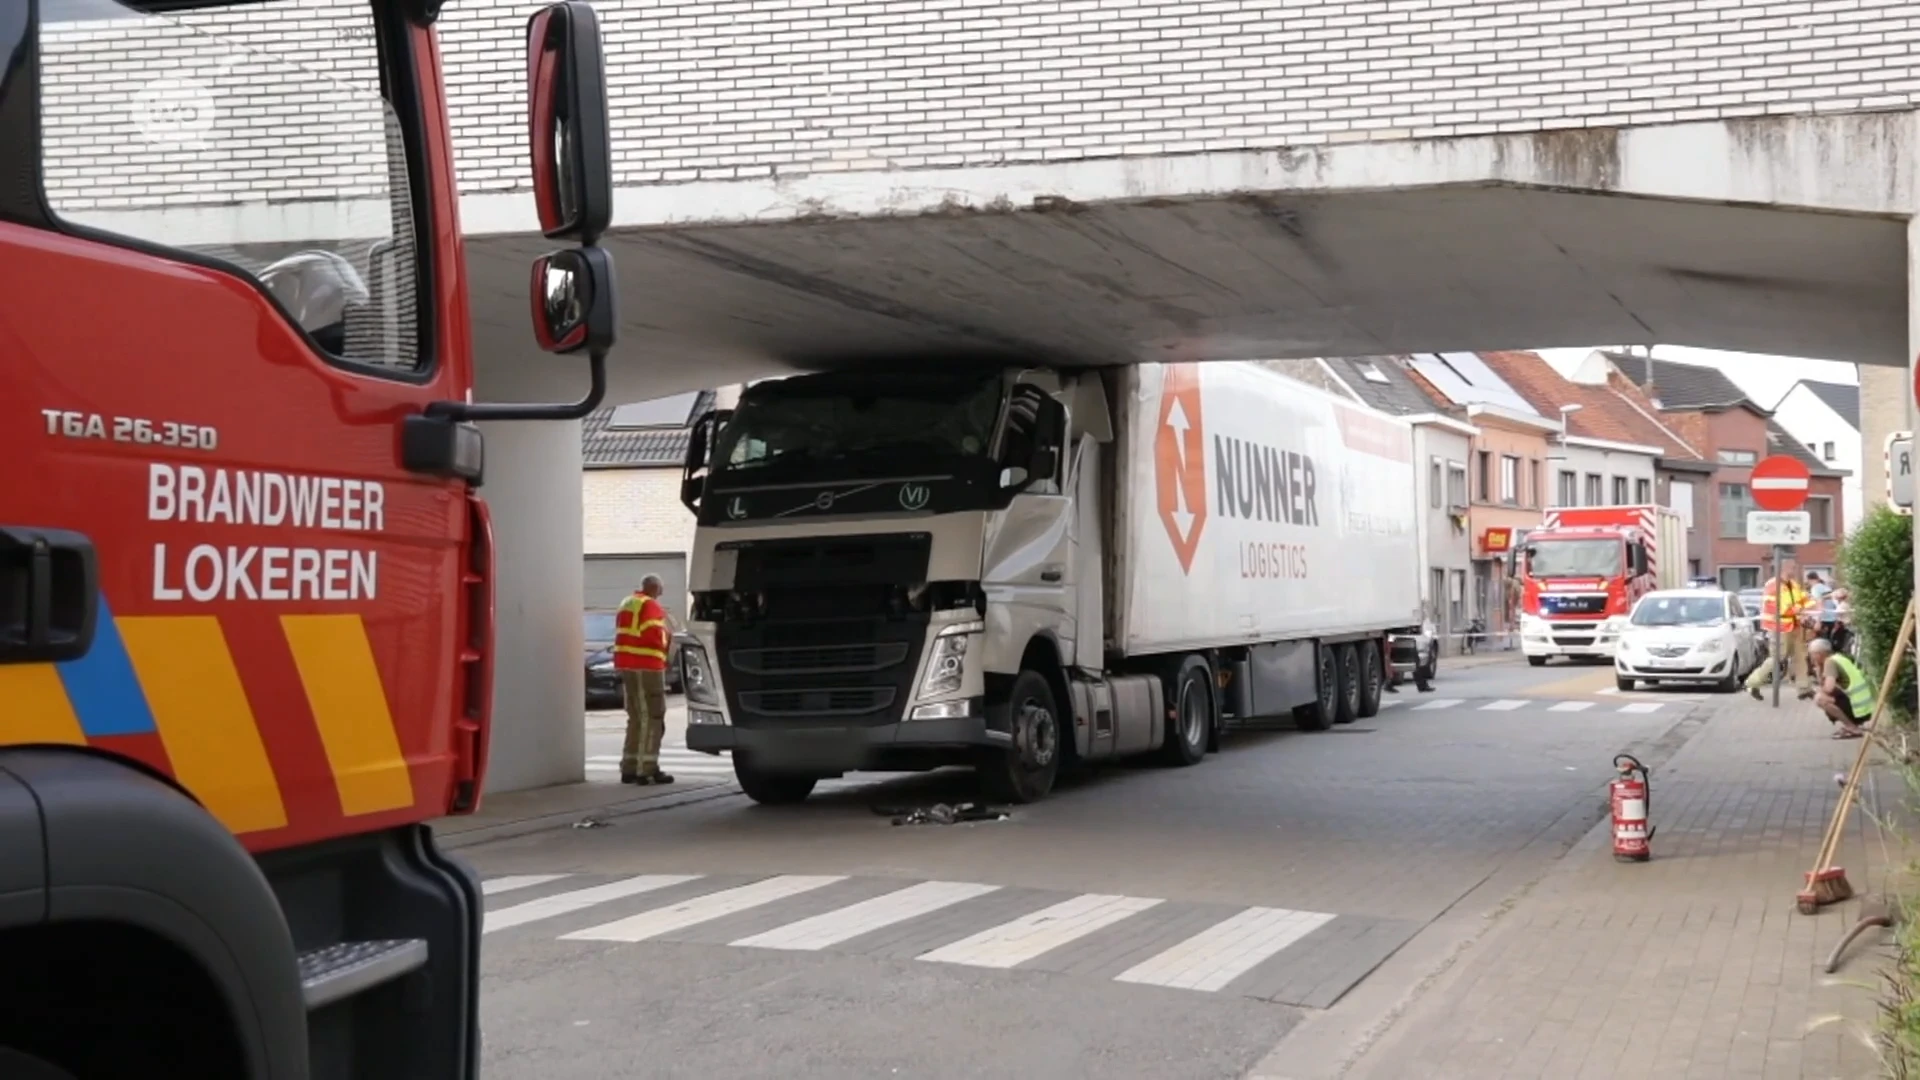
(333, 972)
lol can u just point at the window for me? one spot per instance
(1736, 502)
(1596, 495)
(1486, 475)
(1643, 491)
(1509, 480)
(1433, 483)
(1819, 516)
(1619, 491)
(1456, 484)
(1569, 492)
(214, 111)
(1533, 483)
(1736, 578)
(1826, 451)
(1737, 457)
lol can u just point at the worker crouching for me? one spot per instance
(1842, 690)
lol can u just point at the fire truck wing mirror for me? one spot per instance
(573, 301)
(567, 123)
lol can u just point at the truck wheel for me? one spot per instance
(1026, 773)
(1318, 716)
(1372, 678)
(1346, 707)
(772, 788)
(1192, 718)
(1537, 661)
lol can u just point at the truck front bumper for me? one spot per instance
(1588, 640)
(829, 751)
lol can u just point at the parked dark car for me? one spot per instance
(603, 683)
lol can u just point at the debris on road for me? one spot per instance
(590, 823)
(941, 814)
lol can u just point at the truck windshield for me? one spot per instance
(1575, 558)
(858, 426)
(1679, 611)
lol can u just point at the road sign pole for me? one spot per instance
(1779, 658)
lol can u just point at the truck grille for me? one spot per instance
(819, 659)
(828, 647)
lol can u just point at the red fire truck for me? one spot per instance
(245, 573)
(1582, 571)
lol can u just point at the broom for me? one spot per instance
(1826, 883)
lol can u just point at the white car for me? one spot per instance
(1686, 636)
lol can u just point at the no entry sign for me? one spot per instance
(1779, 483)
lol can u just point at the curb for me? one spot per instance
(559, 819)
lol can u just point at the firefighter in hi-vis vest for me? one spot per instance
(640, 643)
(1793, 641)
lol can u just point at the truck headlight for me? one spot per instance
(696, 676)
(947, 665)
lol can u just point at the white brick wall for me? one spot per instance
(750, 88)
(633, 512)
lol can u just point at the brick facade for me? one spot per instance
(727, 89)
(1885, 397)
(634, 512)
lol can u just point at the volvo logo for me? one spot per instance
(823, 501)
(737, 508)
(914, 496)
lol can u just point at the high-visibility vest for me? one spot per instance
(640, 635)
(1859, 694)
(1792, 600)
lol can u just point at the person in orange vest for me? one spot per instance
(1793, 606)
(640, 642)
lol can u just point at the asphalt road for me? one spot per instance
(1143, 922)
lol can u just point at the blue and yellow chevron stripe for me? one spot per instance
(174, 676)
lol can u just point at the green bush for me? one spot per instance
(1876, 563)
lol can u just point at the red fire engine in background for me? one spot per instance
(1582, 571)
(245, 573)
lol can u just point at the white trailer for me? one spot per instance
(1019, 568)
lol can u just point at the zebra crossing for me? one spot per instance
(1307, 958)
(1667, 703)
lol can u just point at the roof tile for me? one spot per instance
(603, 446)
(1605, 411)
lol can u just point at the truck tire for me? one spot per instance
(1191, 721)
(1025, 773)
(1346, 706)
(772, 788)
(1373, 678)
(1318, 715)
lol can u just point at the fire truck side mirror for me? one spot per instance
(567, 123)
(573, 301)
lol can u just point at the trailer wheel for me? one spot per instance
(1026, 772)
(1346, 707)
(1192, 714)
(772, 788)
(1373, 678)
(1318, 715)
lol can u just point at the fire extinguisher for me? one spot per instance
(1632, 797)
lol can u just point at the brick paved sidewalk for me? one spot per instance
(1693, 965)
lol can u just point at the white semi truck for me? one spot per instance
(1021, 569)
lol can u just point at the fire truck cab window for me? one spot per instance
(254, 135)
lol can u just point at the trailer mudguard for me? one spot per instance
(123, 846)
